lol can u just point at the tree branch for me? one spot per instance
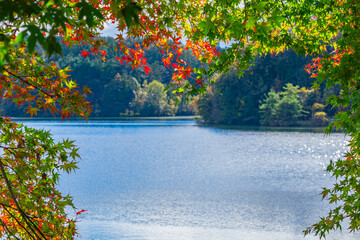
(19, 223)
(8, 230)
(31, 84)
(25, 217)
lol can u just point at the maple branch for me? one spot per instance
(11, 148)
(33, 85)
(8, 230)
(5, 205)
(18, 222)
(223, 63)
(25, 217)
(291, 24)
(246, 15)
(20, 179)
(142, 26)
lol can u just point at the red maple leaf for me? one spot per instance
(79, 212)
(120, 60)
(147, 70)
(85, 54)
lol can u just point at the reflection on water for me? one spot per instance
(178, 180)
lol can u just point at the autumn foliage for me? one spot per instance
(31, 206)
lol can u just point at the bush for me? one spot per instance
(320, 119)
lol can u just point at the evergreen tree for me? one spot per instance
(269, 108)
(282, 109)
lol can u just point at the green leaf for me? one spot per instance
(278, 20)
(206, 25)
(130, 13)
(68, 167)
(31, 43)
(35, 36)
(261, 5)
(88, 11)
(52, 46)
(250, 23)
(20, 37)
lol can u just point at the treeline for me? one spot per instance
(127, 97)
(118, 89)
(274, 92)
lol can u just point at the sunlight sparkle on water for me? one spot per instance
(177, 180)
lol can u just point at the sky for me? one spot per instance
(109, 30)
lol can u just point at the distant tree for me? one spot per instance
(226, 103)
(282, 109)
(319, 117)
(207, 107)
(290, 107)
(269, 109)
(237, 98)
(187, 107)
(118, 95)
(151, 101)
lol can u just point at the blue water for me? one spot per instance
(178, 180)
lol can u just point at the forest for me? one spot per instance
(117, 89)
(274, 91)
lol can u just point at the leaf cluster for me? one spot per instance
(31, 206)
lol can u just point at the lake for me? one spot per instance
(164, 180)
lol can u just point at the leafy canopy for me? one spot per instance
(326, 29)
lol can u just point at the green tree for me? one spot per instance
(282, 109)
(207, 107)
(290, 107)
(186, 106)
(226, 102)
(118, 95)
(151, 101)
(269, 109)
(237, 98)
